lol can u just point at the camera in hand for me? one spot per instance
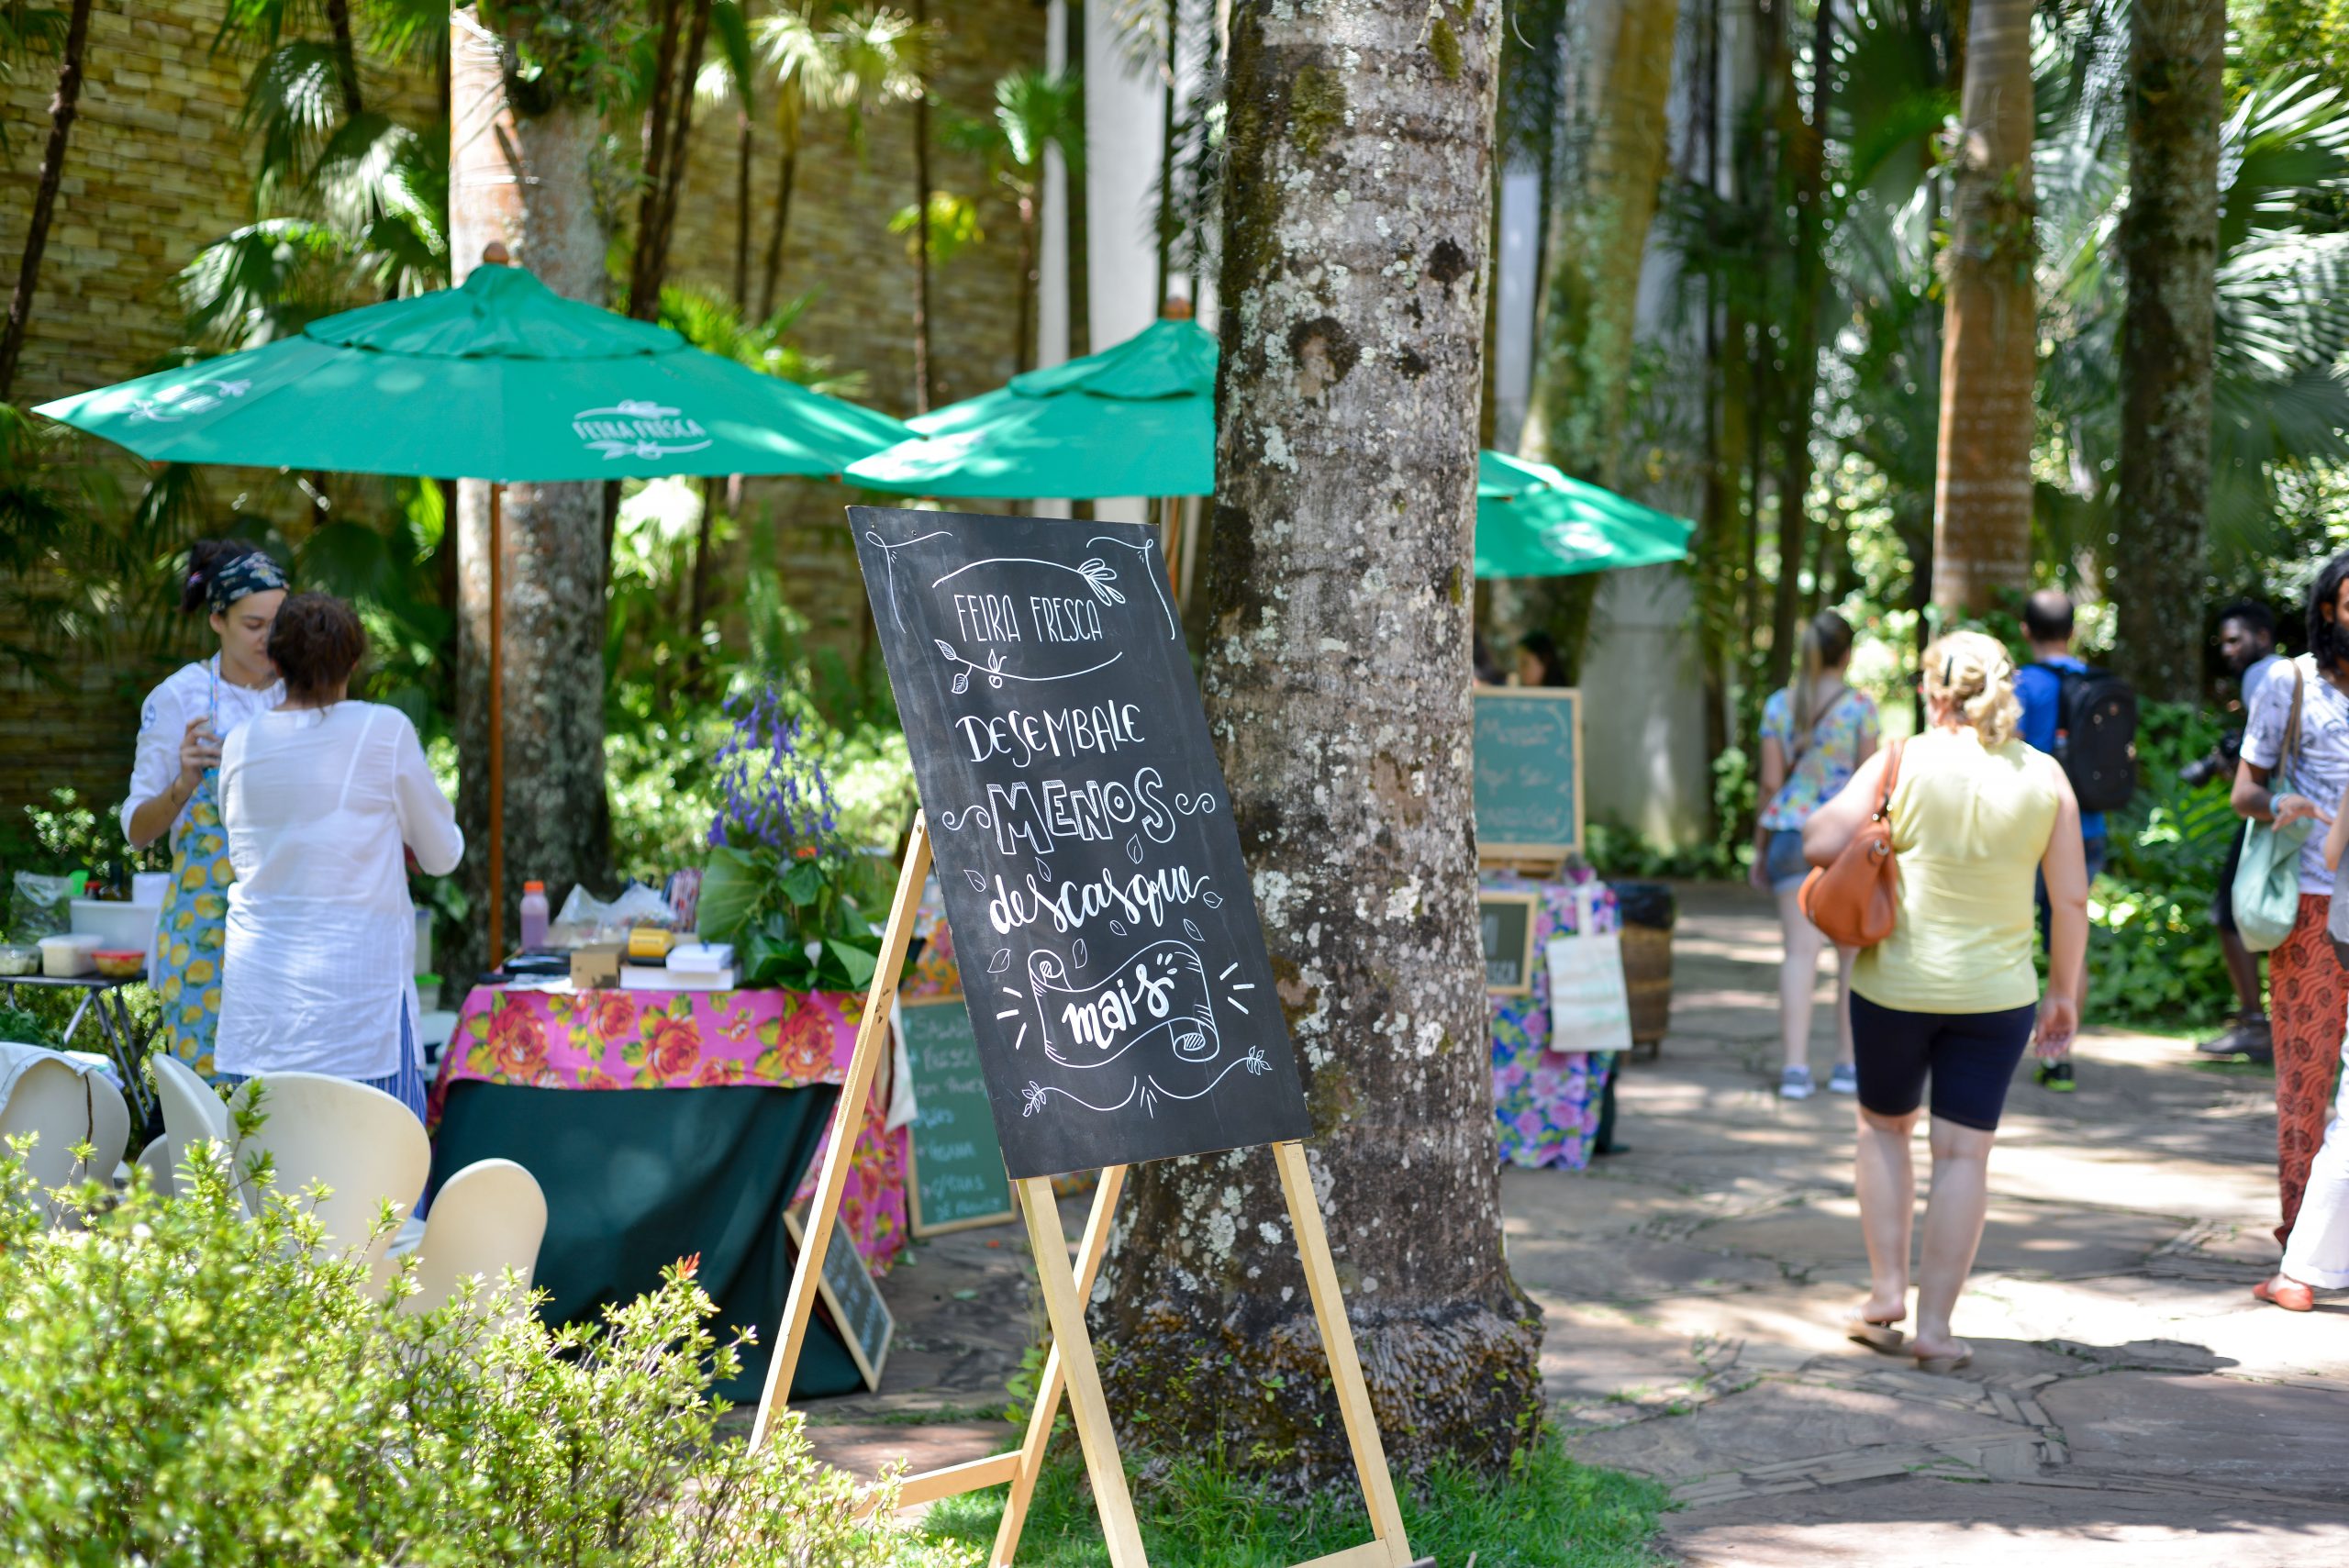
(2220, 764)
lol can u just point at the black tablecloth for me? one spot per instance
(637, 1178)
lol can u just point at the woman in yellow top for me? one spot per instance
(1952, 995)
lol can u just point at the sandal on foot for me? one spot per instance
(1942, 1366)
(2289, 1293)
(1880, 1337)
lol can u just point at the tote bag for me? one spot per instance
(2267, 881)
(1591, 1006)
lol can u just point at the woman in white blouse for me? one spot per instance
(174, 783)
(319, 797)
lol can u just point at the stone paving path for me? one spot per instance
(2128, 1403)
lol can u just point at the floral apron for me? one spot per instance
(195, 926)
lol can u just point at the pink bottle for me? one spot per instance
(534, 915)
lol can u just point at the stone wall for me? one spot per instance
(158, 167)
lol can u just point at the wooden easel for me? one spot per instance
(1070, 1364)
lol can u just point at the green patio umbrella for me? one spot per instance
(1534, 521)
(502, 380)
(1137, 419)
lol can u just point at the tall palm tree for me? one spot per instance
(1982, 485)
(61, 110)
(1034, 111)
(824, 59)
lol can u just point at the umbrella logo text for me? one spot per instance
(632, 428)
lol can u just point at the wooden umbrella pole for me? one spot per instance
(496, 727)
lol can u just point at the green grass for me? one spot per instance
(1553, 1513)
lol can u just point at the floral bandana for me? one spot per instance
(252, 572)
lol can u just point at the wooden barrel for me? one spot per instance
(1647, 976)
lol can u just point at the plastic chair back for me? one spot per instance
(358, 1142)
(156, 1161)
(191, 1114)
(65, 1107)
(489, 1217)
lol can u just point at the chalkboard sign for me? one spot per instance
(1529, 770)
(1505, 921)
(1120, 991)
(956, 1177)
(849, 1293)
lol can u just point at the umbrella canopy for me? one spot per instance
(1137, 419)
(1534, 521)
(501, 380)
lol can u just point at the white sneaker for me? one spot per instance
(1844, 1080)
(1795, 1084)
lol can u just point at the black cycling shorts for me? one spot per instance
(1969, 1057)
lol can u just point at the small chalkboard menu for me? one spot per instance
(1120, 991)
(1505, 922)
(956, 1177)
(851, 1298)
(1529, 770)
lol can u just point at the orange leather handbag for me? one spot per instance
(1856, 900)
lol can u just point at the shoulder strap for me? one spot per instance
(1891, 781)
(1825, 708)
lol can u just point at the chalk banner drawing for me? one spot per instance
(1118, 987)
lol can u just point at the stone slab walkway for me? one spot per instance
(2128, 1403)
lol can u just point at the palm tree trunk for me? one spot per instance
(655, 141)
(346, 57)
(681, 128)
(1389, 106)
(743, 151)
(1600, 212)
(2169, 241)
(922, 388)
(786, 174)
(1802, 144)
(1982, 490)
(1024, 352)
(62, 109)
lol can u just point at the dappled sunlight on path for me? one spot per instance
(2128, 1402)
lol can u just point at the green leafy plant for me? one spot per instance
(180, 1383)
(782, 884)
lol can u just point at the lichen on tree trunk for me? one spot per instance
(558, 821)
(1336, 680)
(2169, 241)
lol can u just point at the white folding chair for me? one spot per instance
(192, 1114)
(156, 1161)
(66, 1108)
(489, 1217)
(360, 1143)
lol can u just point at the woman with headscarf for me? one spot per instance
(1951, 996)
(174, 782)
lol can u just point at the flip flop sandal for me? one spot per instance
(1882, 1337)
(2289, 1293)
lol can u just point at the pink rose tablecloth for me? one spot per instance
(607, 1040)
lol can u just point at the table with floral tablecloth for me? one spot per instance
(555, 1038)
(1547, 1101)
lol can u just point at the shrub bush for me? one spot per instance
(179, 1385)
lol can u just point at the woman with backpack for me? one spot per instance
(1951, 995)
(2294, 754)
(1815, 734)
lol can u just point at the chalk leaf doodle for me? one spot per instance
(1084, 846)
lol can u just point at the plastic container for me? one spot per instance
(115, 924)
(534, 915)
(119, 964)
(19, 959)
(65, 957)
